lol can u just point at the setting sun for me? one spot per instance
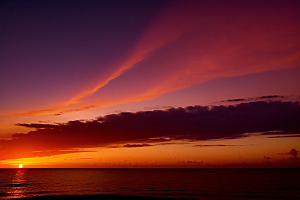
(20, 166)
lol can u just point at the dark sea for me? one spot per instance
(162, 183)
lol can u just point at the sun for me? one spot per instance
(20, 166)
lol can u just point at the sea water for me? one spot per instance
(167, 183)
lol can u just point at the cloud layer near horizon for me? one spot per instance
(190, 123)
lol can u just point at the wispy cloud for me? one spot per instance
(284, 136)
(217, 145)
(188, 43)
(293, 153)
(261, 98)
(56, 110)
(176, 53)
(137, 145)
(189, 124)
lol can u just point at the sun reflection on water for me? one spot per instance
(18, 185)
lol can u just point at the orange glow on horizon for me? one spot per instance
(247, 152)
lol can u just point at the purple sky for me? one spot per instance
(72, 60)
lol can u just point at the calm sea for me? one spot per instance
(168, 183)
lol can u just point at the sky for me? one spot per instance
(192, 84)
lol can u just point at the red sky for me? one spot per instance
(88, 83)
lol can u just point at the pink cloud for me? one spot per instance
(192, 42)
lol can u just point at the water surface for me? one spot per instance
(168, 183)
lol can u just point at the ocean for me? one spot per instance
(163, 183)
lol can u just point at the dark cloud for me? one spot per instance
(217, 145)
(264, 98)
(234, 100)
(39, 126)
(137, 145)
(155, 140)
(293, 152)
(190, 123)
(284, 136)
(270, 97)
(194, 162)
(278, 132)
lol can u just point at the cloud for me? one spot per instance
(270, 97)
(191, 42)
(18, 153)
(56, 110)
(217, 145)
(194, 162)
(262, 98)
(137, 145)
(176, 53)
(284, 136)
(174, 21)
(279, 134)
(39, 126)
(189, 124)
(234, 100)
(293, 153)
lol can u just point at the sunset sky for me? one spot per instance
(149, 83)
